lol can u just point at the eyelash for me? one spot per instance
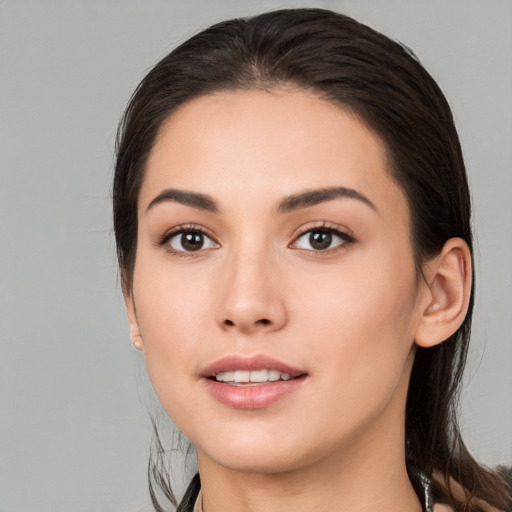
(179, 230)
(346, 239)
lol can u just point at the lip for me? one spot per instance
(254, 396)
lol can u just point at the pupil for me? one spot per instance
(192, 241)
(320, 240)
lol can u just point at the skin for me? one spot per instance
(349, 317)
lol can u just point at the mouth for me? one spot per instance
(251, 378)
(251, 382)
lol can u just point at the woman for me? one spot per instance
(292, 219)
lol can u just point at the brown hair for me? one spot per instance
(382, 82)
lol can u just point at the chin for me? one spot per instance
(263, 453)
(260, 461)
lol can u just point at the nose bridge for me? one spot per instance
(251, 299)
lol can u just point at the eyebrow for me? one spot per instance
(289, 204)
(321, 195)
(193, 199)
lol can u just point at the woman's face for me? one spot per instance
(273, 244)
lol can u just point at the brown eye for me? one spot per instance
(190, 241)
(321, 240)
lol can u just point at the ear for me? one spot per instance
(448, 279)
(132, 318)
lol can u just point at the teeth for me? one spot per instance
(225, 376)
(273, 375)
(257, 376)
(241, 376)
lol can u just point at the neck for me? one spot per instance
(364, 476)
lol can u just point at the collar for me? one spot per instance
(423, 487)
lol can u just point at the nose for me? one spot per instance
(252, 298)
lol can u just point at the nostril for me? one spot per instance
(262, 321)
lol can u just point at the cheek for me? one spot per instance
(169, 299)
(172, 311)
(361, 323)
(366, 291)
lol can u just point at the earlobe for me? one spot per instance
(449, 280)
(136, 338)
(135, 334)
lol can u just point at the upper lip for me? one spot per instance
(235, 362)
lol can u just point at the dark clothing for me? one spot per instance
(189, 499)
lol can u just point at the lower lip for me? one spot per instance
(254, 396)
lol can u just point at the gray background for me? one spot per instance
(74, 428)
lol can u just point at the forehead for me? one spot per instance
(267, 143)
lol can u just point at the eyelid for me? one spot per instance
(176, 230)
(341, 231)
